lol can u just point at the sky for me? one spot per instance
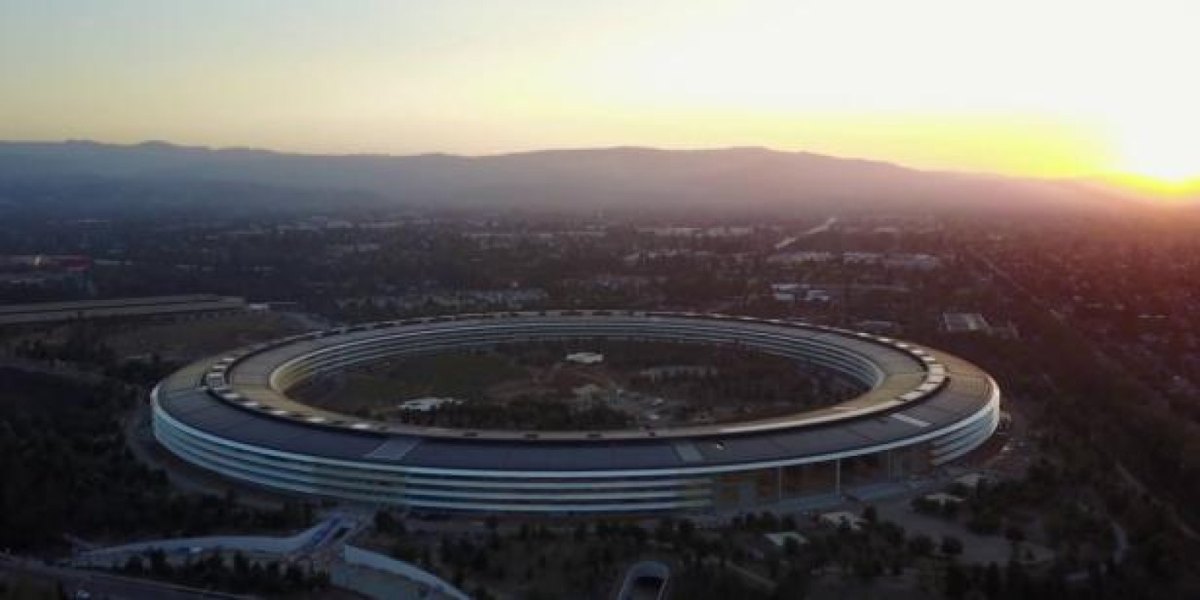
(1048, 88)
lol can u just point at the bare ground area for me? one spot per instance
(193, 339)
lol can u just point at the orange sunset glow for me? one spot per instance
(1062, 89)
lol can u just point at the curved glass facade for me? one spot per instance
(231, 415)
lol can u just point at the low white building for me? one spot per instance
(943, 498)
(427, 404)
(585, 358)
(840, 518)
(780, 538)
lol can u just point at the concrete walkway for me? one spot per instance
(300, 544)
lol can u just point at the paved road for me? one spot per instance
(747, 575)
(1171, 511)
(103, 585)
(139, 438)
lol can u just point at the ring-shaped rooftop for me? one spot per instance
(256, 379)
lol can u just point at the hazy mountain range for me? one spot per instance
(91, 176)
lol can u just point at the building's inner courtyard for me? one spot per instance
(579, 385)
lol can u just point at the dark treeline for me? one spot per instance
(66, 470)
(1096, 419)
(237, 574)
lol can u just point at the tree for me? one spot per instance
(992, 582)
(870, 515)
(686, 529)
(951, 546)
(768, 521)
(241, 566)
(1014, 534)
(920, 545)
(924, 505)
(957, 583)
(384, 521)
(949, 509)
(134, 565)
(293, 575)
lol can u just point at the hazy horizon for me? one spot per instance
(149, 142)
(933, 85)
(565, 146)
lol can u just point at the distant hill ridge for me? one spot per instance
(573, 179)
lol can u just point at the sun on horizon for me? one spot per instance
(1155, 140)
